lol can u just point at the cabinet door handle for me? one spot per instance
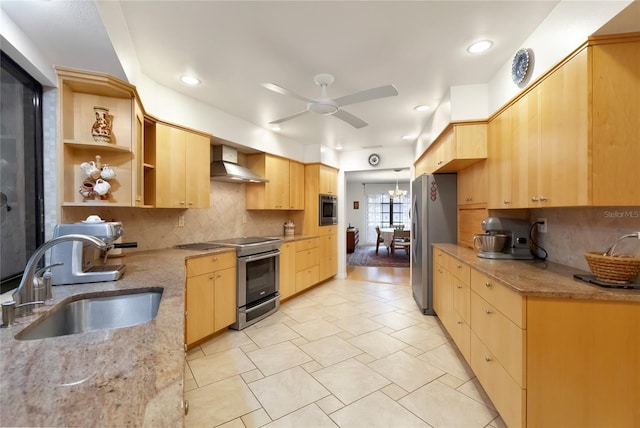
(215, 259)
(459, 286)
(488, 359)
(542, 199)
(181, 202)
(459, 322)
(488, 311)
(487, 284)
(506, 202)
(219, 275)
(210, 276)
(190, 203)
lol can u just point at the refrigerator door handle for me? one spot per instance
(415, 223)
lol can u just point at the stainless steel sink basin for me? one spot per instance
(102, 311)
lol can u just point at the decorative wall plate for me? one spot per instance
(520, 66)
(374, 159)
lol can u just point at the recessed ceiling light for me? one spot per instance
(479, 47)
(338, 146)
(189, 80)
(276, 128)
(407, 137)
(421, 107)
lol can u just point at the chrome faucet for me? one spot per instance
(25, 294)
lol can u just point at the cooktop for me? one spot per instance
(247, 240)
(199, 246)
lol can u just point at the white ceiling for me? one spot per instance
(233, 46)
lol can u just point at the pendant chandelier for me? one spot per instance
(397, 193)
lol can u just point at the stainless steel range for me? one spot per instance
(258, 278)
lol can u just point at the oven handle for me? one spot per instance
(259, 256)
(270, 301)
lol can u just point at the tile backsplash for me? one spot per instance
(571, 232)
(154, 228)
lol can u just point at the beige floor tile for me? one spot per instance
(299, 341)
(406, 303)
(249, 348)
(277, 333)
(316, 329)
(187, 372)
(442, 406)
(473, 389)
(350, 380)
(394, 392)
(420, 338)
(394, 320)
(252, 376)
(311, 366)
(287, 391)
(330, 404)
(344, 310)
(308, 417)
(375, 308)
(358, 325)
(194, 353)
(221, 365)
(276, 318)
(330, 350)
(276, 358)
(305, 314)
(497, 423)
(331, 300)
(256, 419)
(228, 340)
(376, 411)
(345, 335)
(190, 385)
(236, 423)
(445, 357)
(451, 381)
(377, 343)
(219, 402)
(365, 358)
(406, 371)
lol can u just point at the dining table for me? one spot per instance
(386, 233)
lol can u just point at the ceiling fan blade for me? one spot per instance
(369, 94)
(279, 89)
(284, 119)
(352, 120)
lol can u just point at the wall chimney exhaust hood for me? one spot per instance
(224, 167)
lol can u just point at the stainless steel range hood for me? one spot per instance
(224, 167)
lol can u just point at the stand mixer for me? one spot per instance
(516, 245)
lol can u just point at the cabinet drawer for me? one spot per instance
(328, 230)
(441, 258)
(505, 300)
(307, 258)
(210, 263)
(501, 336)
(460, 270)
(462, 300)
(461, 334)
(308, 277)
(305, 244)
(503, 391)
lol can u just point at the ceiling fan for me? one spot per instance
(332, 106)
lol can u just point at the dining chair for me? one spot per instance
(401, 239)
(379, 239)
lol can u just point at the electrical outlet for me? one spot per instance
(181, 220)
(542, 228)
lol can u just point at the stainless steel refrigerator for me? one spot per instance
(433, 219)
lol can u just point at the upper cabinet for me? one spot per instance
(572, 138)
(285, 189)
(328, 184)
(181, 167)
(96, 132)
(459, 146)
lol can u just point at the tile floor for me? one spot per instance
(348, 353)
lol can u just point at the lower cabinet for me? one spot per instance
(328, 251)
(307, 263)
(287, 270)
(210, 301)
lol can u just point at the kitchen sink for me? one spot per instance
(102, 311)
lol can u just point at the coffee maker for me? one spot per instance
(77, 262)
(516, 246)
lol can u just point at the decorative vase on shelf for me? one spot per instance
(101, 129)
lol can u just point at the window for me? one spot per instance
(383, 211)
(21, 194)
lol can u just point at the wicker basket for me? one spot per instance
(618, 269)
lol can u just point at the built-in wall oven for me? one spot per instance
(258, 276)
(328, 210)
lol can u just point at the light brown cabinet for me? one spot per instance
(181, 167)
(307, 263)
(210, 302)
(328, 251)
(459, 146)
(472, 184)
(79, 92)
(318, 179)
(287, 270)
(328, 184)
(285, 189)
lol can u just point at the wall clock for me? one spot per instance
(374, 159)
(520, 66)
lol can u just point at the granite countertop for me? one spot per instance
(131, 376)
(536, 278)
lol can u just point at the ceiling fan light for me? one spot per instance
(276, 128)
(422, 107)
(325, 108)
(479, 46)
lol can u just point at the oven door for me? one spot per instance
(258, 277)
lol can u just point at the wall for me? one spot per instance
(158, 228)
